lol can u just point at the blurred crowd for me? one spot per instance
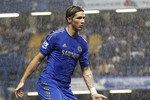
(13, 40)
(124, 49)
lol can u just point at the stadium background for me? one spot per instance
(119, 46)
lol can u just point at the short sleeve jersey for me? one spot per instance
(63, 52)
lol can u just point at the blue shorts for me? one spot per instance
(52, 91)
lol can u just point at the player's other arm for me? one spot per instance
(31, 67)
(88, 77)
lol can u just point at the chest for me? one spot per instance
(69, 47)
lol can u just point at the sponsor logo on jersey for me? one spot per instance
(44, 45)
(70, 54)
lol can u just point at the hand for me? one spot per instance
(18, 91)
(98, 97)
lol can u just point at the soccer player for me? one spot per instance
(64, 48)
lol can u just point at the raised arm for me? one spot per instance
(88, 77)
(31, 67)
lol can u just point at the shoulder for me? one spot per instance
(82, 40)
(83, 43)
(55, 34)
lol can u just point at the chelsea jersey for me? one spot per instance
(63, 52)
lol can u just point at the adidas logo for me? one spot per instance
(64, 45)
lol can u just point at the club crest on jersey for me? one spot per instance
(79, 49)
(44, 45)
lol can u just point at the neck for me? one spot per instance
(71, 31)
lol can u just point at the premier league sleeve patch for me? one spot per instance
(45, 44)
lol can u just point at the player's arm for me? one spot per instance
(88, 77)
(31, 67)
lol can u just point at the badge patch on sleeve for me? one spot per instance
(44, 45)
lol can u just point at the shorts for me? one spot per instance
(52, 91)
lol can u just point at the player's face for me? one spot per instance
(78, 21)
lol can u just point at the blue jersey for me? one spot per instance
(63, 52)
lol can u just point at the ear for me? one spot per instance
(69, 20)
